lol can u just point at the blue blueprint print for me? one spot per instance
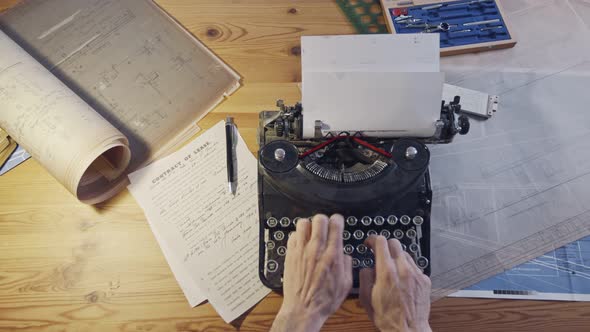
(563, 274)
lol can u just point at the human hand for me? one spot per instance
(317, 276)
(396, 294)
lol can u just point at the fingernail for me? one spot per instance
(337, 217)
(320, 217)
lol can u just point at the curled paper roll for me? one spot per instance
(82, 150)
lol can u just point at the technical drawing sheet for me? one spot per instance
(561, 274)
(518, 185)
(130, 61)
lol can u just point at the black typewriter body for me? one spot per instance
(380, 185)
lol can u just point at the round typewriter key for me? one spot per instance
(398, 234)
(285, 222)
(366, 220)
(358, 234)
(351, 221)
(361, 248)
(422, 262)
(414, 247)
(392, 220)
(271, 222)
(371, 232)
(279, 236)
(405, 220)
(346, 235)
(411, 233)
(355, 263)
(379, 220)
(404, 248)
(385, 233)
(368, 262)
(270, 245)
(348, 249)
(272, 266)
(281, 251)
(418, 220)
(295, 221)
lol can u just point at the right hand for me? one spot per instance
(396, 294)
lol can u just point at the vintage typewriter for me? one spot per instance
(380, 186)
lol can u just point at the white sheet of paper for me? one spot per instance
(347, 106)
(212, 234)
(392, 53)
(386, 85)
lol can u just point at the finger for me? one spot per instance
(383, 262)
(403, 268)
(319, 231)
(335, 229)
(395, 248)
(292, 243)
(347, 272)
(367, 282)
(303, 233)
(412, 263)
(291, 246)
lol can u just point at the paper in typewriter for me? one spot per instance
(128, 61)
(206, 233)
(381, 85)
(518, 185)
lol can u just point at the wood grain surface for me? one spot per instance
(65, 266)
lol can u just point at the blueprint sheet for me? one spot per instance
(518, 185)
(562, 274)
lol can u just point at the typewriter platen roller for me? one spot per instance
(380, 186)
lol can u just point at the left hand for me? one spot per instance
(317, 276)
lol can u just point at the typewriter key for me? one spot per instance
(279, 236)
(379, 220)
(392, 220)
(272, 266)
(367, 262)
(348, 249)
(404, 248)
(346, 235)
(371, 232)
(355, 263)
(295, 221)
(272, 222)
(398, 234)
(404, 220)
(358, 234)
(418, 220)
(351, 221)
(422, 262)
(361, 249)
(270, 245)
(281, 251)
(366, 220)
(411, 233)
(385, 233)
(414, 247)
(285, 222)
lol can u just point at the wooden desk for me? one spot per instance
(67, 266)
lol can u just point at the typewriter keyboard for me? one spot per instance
(409, 230)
